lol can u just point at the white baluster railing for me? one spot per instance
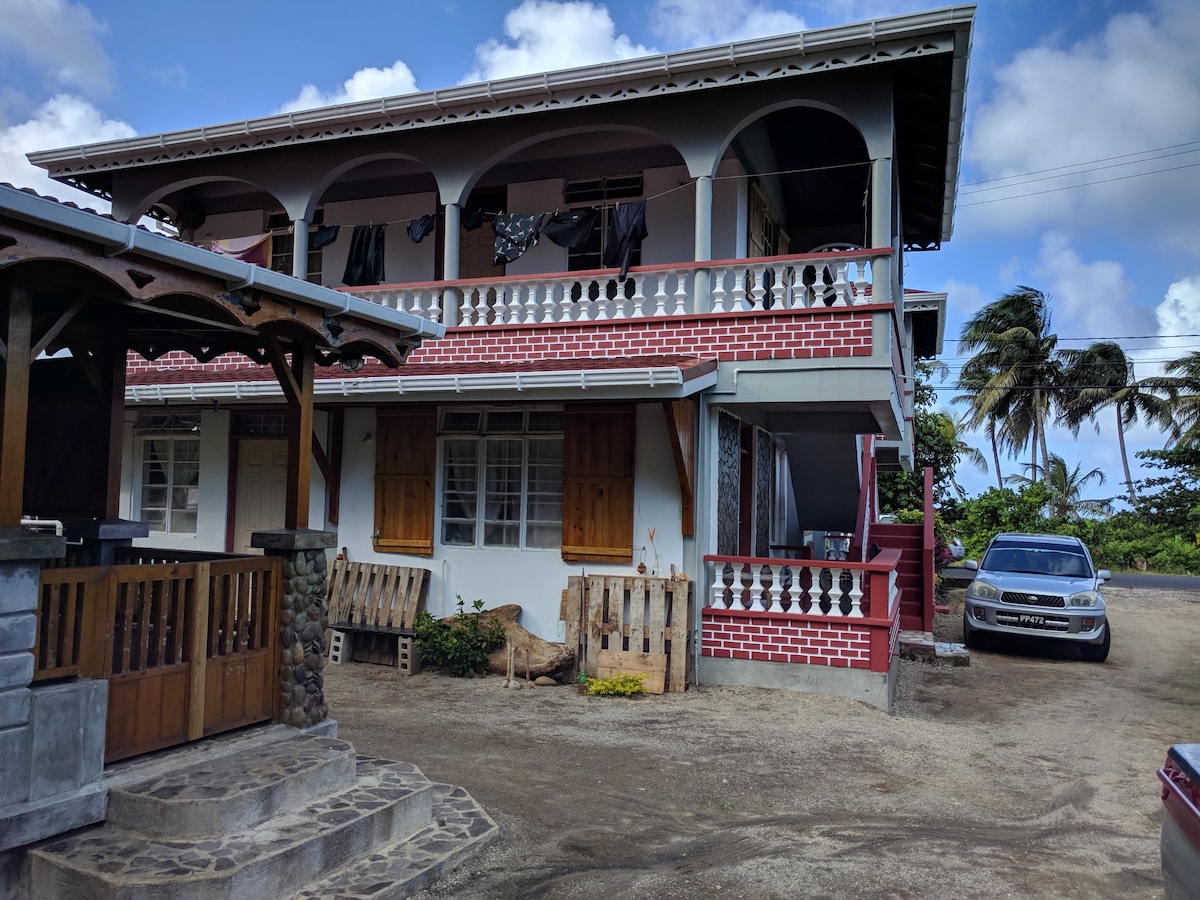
(831, 279)
(817, 587)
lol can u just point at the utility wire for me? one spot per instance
(1069, 187)
(1092, 162)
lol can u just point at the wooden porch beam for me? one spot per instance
(116, 424)
(54, 330)
(681, 434)
(15, 421)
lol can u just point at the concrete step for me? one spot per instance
(921, 646)
(460, 828)
(232, 792)
(387, 802)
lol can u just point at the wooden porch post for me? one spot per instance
(17, 359)
(297, 383)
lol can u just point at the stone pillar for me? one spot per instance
(300, 249)
(304, 617)
(51, 736)
(701, 299)
(451, 297)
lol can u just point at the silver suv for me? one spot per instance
(1038, 585)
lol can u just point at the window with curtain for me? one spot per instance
(501, 477)
(170, 472)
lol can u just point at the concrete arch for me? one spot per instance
(455, 182)
(763, 112)
(316, 190)
(130, 210)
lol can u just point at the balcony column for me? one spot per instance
(881, 221)
(701, 301)
(300, 249)
(451, 297)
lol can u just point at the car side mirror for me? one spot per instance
(970, 564)
(1103, 574)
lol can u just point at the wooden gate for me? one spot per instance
(189, 648)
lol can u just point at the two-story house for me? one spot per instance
(678, 333)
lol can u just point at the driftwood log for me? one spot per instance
(532, 656)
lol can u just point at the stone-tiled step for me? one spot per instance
(923, 647)
(233, 792)
(387, 802)
(460, 829)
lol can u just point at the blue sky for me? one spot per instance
(1081, 173)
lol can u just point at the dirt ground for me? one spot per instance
(1029, 773)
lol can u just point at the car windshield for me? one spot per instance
(1032, 559)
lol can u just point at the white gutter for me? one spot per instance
(722, 57)
(657, 377)
(118, 238)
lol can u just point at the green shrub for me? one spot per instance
(462, 642)
(620, 685)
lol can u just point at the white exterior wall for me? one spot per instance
(670, 217)
(403, 260)
(534, 579)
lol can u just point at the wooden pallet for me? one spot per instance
(374, 606)
(640, 623)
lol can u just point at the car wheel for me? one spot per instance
(1098, 652)
(971, 636)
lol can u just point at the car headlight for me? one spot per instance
(1084, 598)
(984, 591)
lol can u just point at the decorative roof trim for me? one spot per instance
(934, 32)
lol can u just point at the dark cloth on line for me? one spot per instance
(471, 219)
(419, 227)
(323, 236)
(516, 233)
(626, 230)
(364, 263)
(571, 227)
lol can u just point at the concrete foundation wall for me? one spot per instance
(875, 688)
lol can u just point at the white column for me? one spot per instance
(881, 223)
(450, 262)
(701, 301)
(300, 249)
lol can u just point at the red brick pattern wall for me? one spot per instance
(744, 336)
(773, 638)
(794, 334)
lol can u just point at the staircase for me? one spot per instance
(910, 573)
(278, 813)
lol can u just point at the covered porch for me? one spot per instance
(107, 651)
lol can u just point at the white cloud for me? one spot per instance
(697, 23)
(1088, 297)
(63, 121)
(365, 84)
(1131, 88)
(59, 40)
(544, 35)
(1179, 312)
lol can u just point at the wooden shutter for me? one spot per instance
(405, 462)
(598, 444)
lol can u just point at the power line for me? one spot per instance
(1092, 162)
(1069, 187)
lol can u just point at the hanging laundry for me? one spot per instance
(472, 219)
(253, 249)
(516, 234)
(570, 228)
(323, 236)
(419, 227)
(626, 231)
(364, 263)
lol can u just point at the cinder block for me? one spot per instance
(16, 669)
(14, 707)
(408, 659)
(18, 631)
(67, 722)
(15, 751)
(341, 645)
(19, 587)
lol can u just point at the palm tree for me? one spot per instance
(973, 385)
(951, 428)
(1182, 387)
(1102, 375)
(1066, 490)
(1015, 349)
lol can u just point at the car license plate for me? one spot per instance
(1026, 619)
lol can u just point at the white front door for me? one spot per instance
(261, 489)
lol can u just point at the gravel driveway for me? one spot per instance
(1028, 773)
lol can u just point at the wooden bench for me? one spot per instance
(372, 607)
